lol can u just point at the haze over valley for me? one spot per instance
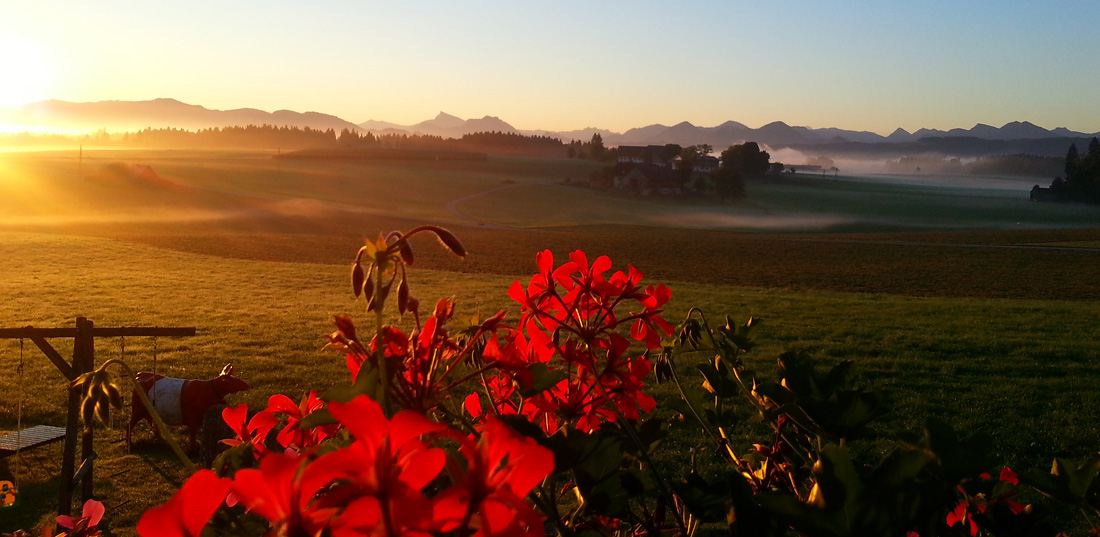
(127, 116)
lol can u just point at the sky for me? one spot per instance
(565, 65)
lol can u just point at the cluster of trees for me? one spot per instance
(592, 149)
(512, 143)
(1082, 181)
(50, 140)
(248, 137)
(291, 139)
(496, 142)
(736, 164)
(739, 162)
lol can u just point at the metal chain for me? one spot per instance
(19, 412)
(154, 388)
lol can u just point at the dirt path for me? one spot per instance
(452, 208)
(950, 245)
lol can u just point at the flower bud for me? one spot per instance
(357, 278)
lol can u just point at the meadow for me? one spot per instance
(952, 309)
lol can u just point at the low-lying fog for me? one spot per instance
(885, 171)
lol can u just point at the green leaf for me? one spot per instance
(798, 374)
(602, 454)
(317, 418)
(235, 458)
(367, 382)
(1065, 482)
(958, 458)
(718, 382)
(543, 378)
(705, 501)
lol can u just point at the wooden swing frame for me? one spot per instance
(83, 361)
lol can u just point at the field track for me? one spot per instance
(452, 207)
(1041, 264)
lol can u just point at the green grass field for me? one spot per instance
(975, 326)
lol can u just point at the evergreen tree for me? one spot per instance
(596, 147)
(1071, 160)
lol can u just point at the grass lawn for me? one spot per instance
(981, 323)
(1006, 367)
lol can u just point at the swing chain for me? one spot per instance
(153, 391)
(19, 413)
(22, 395)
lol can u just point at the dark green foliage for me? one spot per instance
(746, 158)
(1082, 182)
(739, 162)
(808, 478)
(1078, 487)
(1072, 158)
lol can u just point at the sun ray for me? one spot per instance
(26, 71)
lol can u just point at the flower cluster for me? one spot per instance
(420, 364)
(568, 330)
(381, 465)
(373, 482)
(973, 507)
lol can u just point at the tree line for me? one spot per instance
(268, 137)
(1082, 179)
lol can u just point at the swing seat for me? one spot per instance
(36, 436)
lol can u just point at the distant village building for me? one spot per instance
(705, 164)
(1039, 193)
(650, 154)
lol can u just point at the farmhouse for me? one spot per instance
(1039, 193)
(656, 155)
(705, 164)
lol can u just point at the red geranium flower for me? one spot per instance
(85, 525)
(189, 509)
(292, 436)
(382, 472)
(256, 430)
(284, 492)
(502, 468)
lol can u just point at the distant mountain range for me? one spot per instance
(121, 116)
(160, 113)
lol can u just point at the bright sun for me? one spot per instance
(25, 71)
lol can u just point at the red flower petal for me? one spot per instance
(267, 491)
(362, 417)
(407, 425)
(1009, 476)
(93, 511)
(421, 467)
(189, 509)
(580, 261)
(472, 403)
(282, 403)
(545, 262)
(517, 293)
(234, 417)
(601, 265)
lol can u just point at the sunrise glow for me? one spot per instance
(25, 71)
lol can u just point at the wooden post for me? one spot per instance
(72, 425)
(87, 338)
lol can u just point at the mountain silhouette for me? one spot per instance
(158, 113)
(120, 116)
